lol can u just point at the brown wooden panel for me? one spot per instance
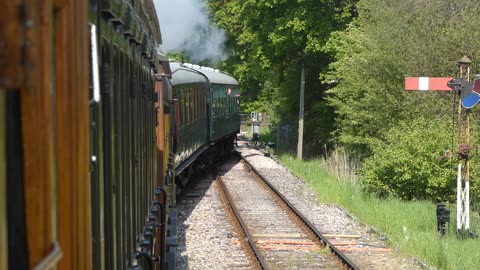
(37, 134)
(160, 113)
(11, 41)
(59, 4)
(3, 183)
(160, 150)
(73, 193)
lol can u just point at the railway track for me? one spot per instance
(272, 231)
(208, 239)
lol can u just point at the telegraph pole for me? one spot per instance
(301, 112)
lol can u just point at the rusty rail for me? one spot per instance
(247, 235)
(345, 260)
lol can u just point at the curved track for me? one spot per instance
(276, 234)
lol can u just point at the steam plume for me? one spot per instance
(186, 27)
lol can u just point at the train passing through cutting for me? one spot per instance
(98, 133)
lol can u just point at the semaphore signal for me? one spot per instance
(469, 97)
(427, 83)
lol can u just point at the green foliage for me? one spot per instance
(358, 99)
(180, 57)
(267, 135)
(268, 39)
(404, 164)
(387, 42)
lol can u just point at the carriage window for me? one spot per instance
(196, 104)
(227, 99)
(217, 104)
(187, 106)
(224, 103)
(185, 103)
(203, 104)
(199, 94)
(212, 104)
(222, 100)
(190, 105)
(182, 108)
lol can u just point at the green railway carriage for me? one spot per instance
(224, 113)
(207, 116)
(190, 94)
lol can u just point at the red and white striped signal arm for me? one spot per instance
(427, 83)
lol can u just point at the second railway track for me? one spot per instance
(276, 234)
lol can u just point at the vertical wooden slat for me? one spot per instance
(73, 189)
(82, 133)
(11, 40)
(160, 135)
(160, 143)
(3, 183)
(37, 133)
(65, 214)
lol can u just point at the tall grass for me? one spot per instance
(410, 226)
(338, 164)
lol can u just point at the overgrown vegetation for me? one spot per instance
(397, 133)
(387, 42)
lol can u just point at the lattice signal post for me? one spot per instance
(469, 97)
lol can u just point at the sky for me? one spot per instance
(185, 26)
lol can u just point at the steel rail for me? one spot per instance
(347, 262)
(256, 252)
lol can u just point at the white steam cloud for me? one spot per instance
(186, 27)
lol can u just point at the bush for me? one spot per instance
(405, 164)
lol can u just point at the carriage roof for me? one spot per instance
(189, 73)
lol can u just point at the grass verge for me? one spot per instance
(411, 225)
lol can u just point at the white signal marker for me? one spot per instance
(423, 83)
(427, 83)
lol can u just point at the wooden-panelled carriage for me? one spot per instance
(82, 174)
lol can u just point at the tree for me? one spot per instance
(268, 39)
(388, 41)
(399, 133)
